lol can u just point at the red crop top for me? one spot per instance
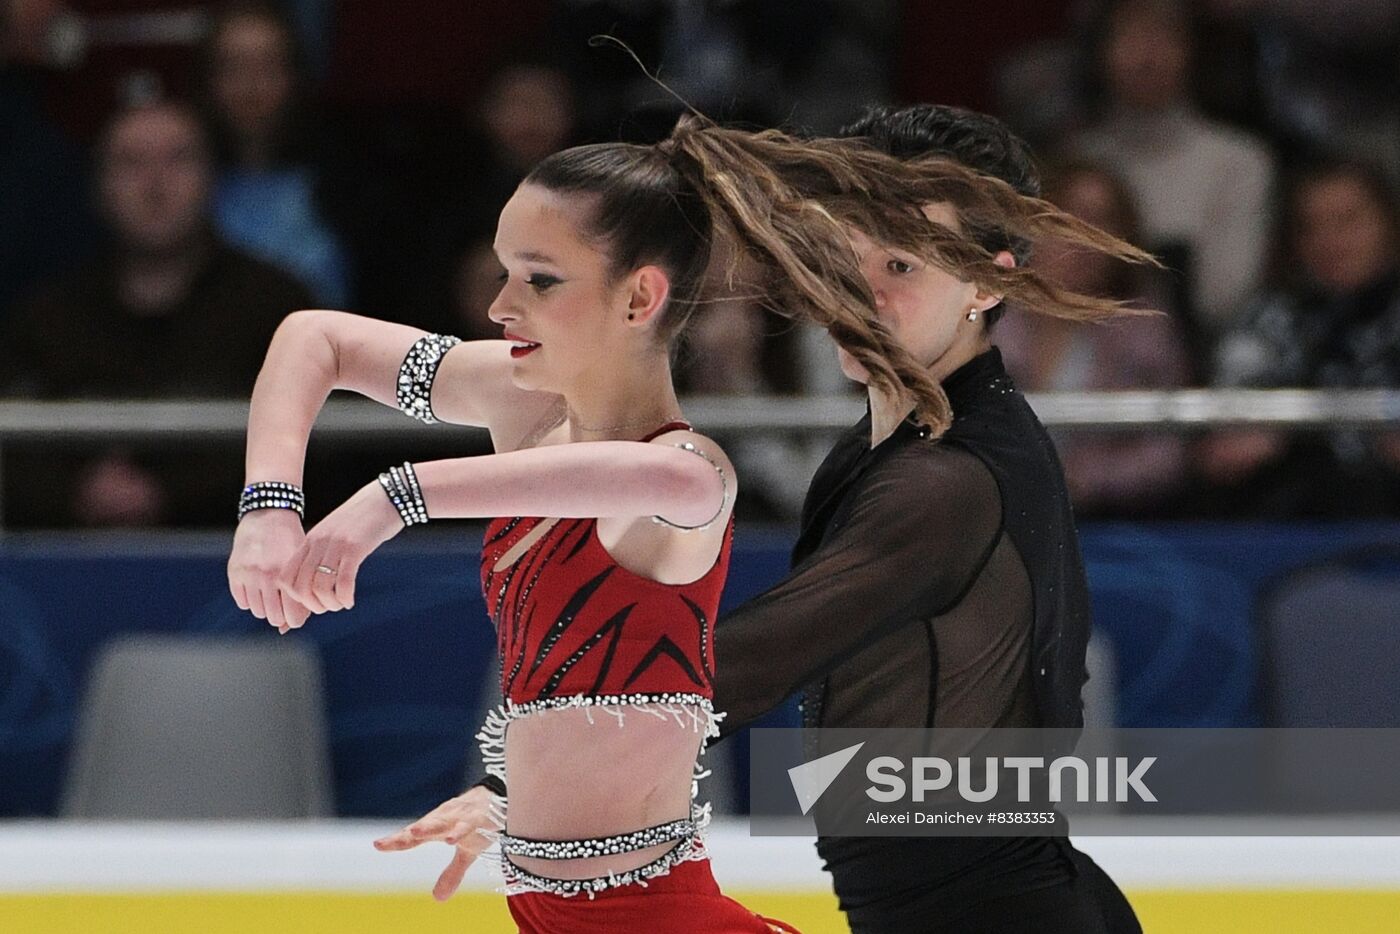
(571, 622)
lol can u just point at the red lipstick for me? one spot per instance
(520, 346)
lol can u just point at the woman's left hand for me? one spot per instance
(321, 575)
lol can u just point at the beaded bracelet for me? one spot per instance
(401, 486)
(414, 389)
(272, 494)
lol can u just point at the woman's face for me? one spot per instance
(1146, 60)
(1340, 234)
(1091, 198)
(557, 301)
(925, 306)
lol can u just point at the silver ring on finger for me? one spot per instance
(323, 569)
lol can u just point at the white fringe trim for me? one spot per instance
(689, 711)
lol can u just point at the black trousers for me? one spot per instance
(1087, 903)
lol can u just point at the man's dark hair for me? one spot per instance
(976, 140)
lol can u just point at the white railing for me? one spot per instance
(347, 418)
(1175, 410)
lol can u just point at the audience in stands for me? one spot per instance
(1120, 475)
(266, 199)
(1325, 73)
(1331, 320)
(381, 186)
(476, 284)
(168, 310)
(759, 60)
(1202, 188)
(46, 222)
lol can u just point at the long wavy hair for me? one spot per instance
(785, 204)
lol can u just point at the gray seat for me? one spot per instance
(1100, 694)
(1331, 643)
(193, 727)
(1331, 651)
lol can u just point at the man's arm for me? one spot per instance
(922, 525)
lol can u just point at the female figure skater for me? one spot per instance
(933, 584)
(605, 611)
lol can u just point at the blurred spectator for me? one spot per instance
(1332, 320)
(1039, 85)
(766, 61)
(1202, 188)
(526, 114)
(479, 277)
(1327, 73)
(1118, 475)
(265, 199)
(734, 347)
(46, 224)
(168, 310)
(100, 54)
(424, 188)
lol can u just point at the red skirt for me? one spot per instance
(687, 900)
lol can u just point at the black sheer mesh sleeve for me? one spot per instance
(906, 543)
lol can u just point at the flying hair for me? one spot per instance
(785, 203)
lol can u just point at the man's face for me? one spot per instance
(155, 179)
(925, 306)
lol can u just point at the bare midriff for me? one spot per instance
(580, 773)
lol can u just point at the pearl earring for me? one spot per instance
(972, 314)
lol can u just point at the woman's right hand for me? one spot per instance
(462, 823)
(265, 541)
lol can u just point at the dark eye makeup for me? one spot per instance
(537, 281)
(540, 282)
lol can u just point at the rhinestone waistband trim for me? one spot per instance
(598, 846)
(519, 880)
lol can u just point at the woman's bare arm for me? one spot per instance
(315, 352)
(594, 479)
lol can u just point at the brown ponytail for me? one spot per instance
(783, 202)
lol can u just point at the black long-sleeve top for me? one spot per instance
(934, 584)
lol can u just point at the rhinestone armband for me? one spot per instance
(271, 494)
(414, 389)
(723, 499)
